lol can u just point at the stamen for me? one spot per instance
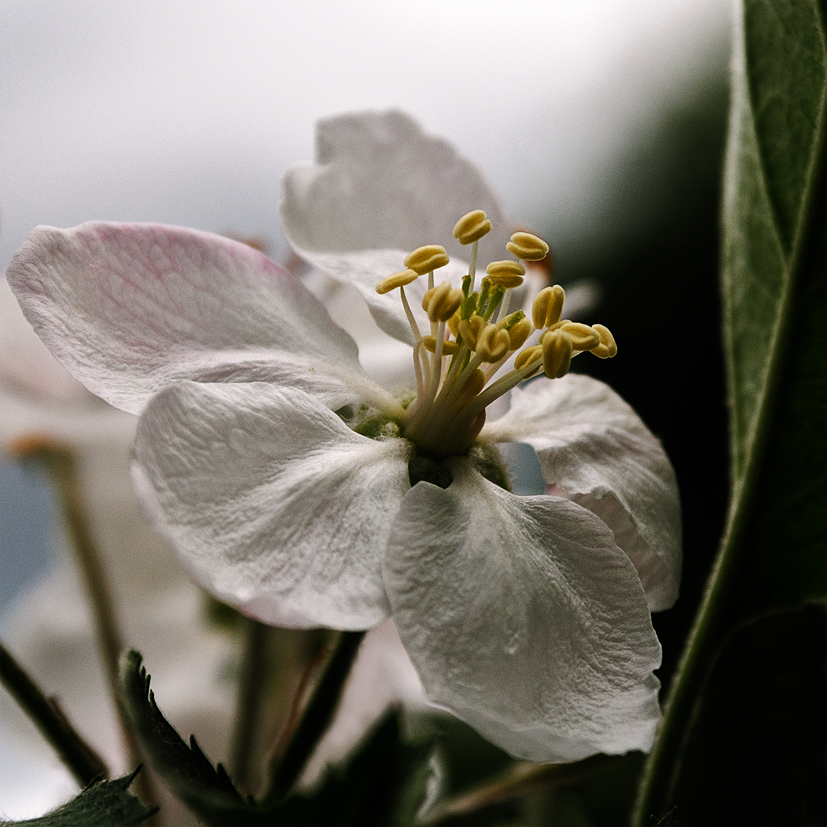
(492, 344)
(607, 347)
(440, 303)
(582, 336)
(470, 330)
(472, 227)
(548, 307)
(448, 347)
(396, 280)
(527, 247)
(527, 356)
(506, 273)
(517, 333)
(557, 352)
(426, 259)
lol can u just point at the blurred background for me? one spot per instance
(600, 123)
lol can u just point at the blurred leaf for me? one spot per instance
(384, 782)
(775, 297)
(101, 804)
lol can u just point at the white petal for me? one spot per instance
(595, 450)
(381, 187)
(273, 504)
(132, 308)
(524, 619)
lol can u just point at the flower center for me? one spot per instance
(472, 336)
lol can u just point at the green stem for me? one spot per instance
(251, 686)
(317, 717)
(80, 759)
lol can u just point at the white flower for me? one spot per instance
(528, 617)
(49, 625)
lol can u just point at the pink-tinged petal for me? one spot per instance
(132, 308)
(381, 187)
(524, 619)
(595, 450)
(271, 501)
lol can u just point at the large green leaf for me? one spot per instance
(774, 283)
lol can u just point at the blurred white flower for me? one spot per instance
(523, 615)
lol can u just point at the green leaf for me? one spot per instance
(775, 308)
(384, 782)
(775, 155)
(101, 804)
(206, 790)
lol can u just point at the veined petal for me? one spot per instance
(524, 619)
(595, 449)
(132, 308)
(271, 501)
(380, 188)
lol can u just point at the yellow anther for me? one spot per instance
(527, 247)
(470, 330)
(492, 344)
(448, 346)
(582, 336)
(474, 384)
(527, 356)
(453, 323)
(557, 352)
(548, 306)
(472, 227)
(518, 334)
(426, 259)
(607, 347)
(506, 273)
(396, 280)
(441, 302)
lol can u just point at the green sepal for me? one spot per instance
(101, 804)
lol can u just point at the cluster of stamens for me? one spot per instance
(472, 335)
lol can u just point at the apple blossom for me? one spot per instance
(296, 488)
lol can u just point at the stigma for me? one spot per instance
(474, 350)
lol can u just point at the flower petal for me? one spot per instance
(380, 188)
(273, 504)
(524, 619)
(595, 450)
(132, 308)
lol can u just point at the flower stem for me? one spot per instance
(316, 718)
(251, 685)
(60, 463)
(78, 756)
(514, 783)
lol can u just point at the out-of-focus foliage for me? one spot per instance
(101, 804)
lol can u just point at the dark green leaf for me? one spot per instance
(206, 790)
(101, 804)
(774, 159)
